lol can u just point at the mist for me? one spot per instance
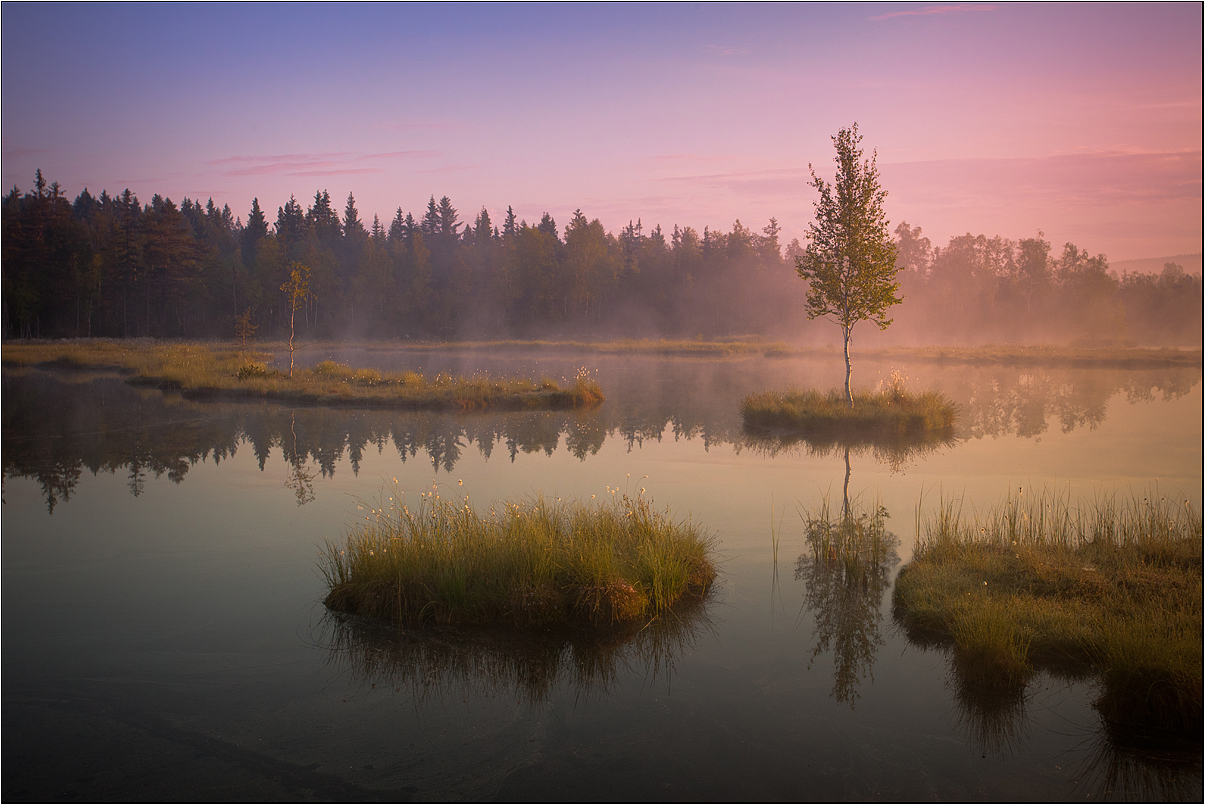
(112, 266)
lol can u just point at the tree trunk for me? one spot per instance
(846, 339)
(291, 341)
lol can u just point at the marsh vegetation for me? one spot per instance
(888, 413)
(533, 562)
(199, 371)
(1107, 587)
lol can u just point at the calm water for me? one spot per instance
(164, 635)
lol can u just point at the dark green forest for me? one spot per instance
(112, 266)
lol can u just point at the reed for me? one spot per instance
(888, 411)
(1109, 587)
(202, 371)
(529, 563)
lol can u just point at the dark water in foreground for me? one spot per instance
(164, 636)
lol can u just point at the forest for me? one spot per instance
(111, 266)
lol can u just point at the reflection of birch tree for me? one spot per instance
(301, 475)
(846, 571)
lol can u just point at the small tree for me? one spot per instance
(850, 260)
(296, 290)
(244, 330)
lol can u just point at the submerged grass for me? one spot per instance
(889, 411)
(529, 563)
(203, 371)
(1109, 588)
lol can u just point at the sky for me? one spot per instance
(1082, 121)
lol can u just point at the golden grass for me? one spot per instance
(202, 371)
(1109, 588)
(891, 411)
(529, 563)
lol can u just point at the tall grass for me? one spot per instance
(1110, 587)
(533, 562)
(890, 410)
(201, 371)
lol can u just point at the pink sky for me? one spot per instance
(1084, 121)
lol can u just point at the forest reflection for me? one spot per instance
(57, 424)
(530, 665)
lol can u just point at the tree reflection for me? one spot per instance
(527, 664)
(301, 475)
(847, 570)
(57, 424)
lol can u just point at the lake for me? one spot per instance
(165, 638)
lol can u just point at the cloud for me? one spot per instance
(913, 12)
(1090, 179)
(447, 169)
(400, 155)
(17, 152)
(280, 158)
(774, 182)
(333, 163)
(726, 50)
(338, 172)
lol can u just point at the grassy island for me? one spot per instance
(530, 563)
(885, 413)
(1112, 590)
(199, 371)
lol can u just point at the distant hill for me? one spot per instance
(1154, 265)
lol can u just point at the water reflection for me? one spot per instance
(56, 424)
(846, 571)
(1003, 401)
(527, 664)
(1114, 762)
(897, 451)
(1142, 765)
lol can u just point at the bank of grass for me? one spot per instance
(891, 411)
(1044, 355)
(530, 563)
(1111, 588)
(202, 371)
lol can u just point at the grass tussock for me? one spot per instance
(1109, 588)
(202, 371)
(889, 410)
(530, 563)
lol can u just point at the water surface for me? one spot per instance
(165, 638)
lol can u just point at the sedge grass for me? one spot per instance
(530, 563)
(201, 371)
(1109, 588)
(887, 412)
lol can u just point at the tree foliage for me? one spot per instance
(850, 261)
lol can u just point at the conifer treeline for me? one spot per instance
(112, 266)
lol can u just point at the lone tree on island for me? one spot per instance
(296, 289)
(850, 260)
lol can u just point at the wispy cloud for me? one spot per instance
(446, 169)
(334, 163)
(400, 155)
(728, 50)
(953, 9)
(17, 152)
